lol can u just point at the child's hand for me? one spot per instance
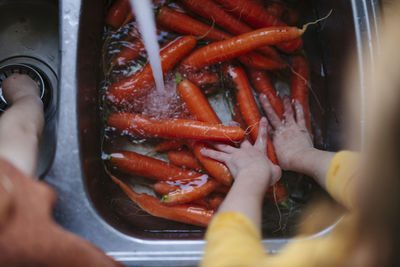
(17, 86)
(290, 137)
(248, 164)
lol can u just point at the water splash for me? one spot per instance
(147, 27)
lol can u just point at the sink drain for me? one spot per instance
(8, 70)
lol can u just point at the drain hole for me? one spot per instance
(35, 74)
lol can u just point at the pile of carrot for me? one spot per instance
(238, 42)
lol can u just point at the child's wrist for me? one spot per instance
(302, 160)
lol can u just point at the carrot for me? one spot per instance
(259, 17)
(129, 53)
(201, 201)
(184, 159)
(165, 187)
(277, 192)
(222, 189)
(136, 164)
(239, 45)
(248, 106)
(258, 61)
(187, 213)
(215, 200)
(200, 108)
(275, 9)
(215, 168)
(169, 145)
(205, 79)
(245, 98)
(129, 18)
(288, 15)
(212, 11)
(262, 84)
(196, 102)
(124, 91)
(197, 188)
(117, 13)
(173, 128)
(299, 86)
(184, 24)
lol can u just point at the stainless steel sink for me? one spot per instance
(29, 35)
(85, 205)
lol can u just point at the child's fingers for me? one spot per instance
(261, 142)
(217, 155)
(273, 118)
(301, 121)
(288, 114)
(225, 148)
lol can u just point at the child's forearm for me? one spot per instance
(314, 163)
(246, 199)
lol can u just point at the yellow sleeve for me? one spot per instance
(232, 240)
(340, 177)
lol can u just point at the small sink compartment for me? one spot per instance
(29, 36)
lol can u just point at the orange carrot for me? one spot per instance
(129, 53)
(222, 189)
(215, 200)
(299, 86)
(258, 17)
(205, 79)
(196, 102)
(199, 107)
(184, 24)
(165, 187)
(187, 213)
(245, 98)
(117, 13)
(136, 164)
(169, 145)
(262, 84)
(124, 91)
(248, 106)
(212, 11)
(215, 168)
(288, 15)
(184, 159)
(197, 188)
(239, 45)
(173, 128)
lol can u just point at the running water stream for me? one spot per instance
(147, 27)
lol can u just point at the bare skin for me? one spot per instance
(254, 172)
(293, 144)
(21, 125)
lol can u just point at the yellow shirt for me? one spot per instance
(233, 240)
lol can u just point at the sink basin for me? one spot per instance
(87, 197)
(29, 35)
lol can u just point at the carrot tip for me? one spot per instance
(164, 199)
(178, 78)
